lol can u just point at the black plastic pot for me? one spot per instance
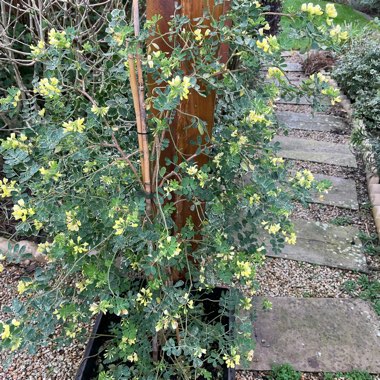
(89, 365)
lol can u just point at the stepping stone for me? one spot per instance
(302, 101)
(316, 151)
(342, 194)
(292, 67)
(316, 335)
(287, 53)
(318, 122)
(325, 244)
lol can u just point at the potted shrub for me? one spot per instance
(148, 169)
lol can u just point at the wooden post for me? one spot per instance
(203, 108)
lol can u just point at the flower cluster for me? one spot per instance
(52, 172)
(268, 44)
(303, 179)
(99, 111)
(262, 30)
(14, 142)
(72, 222)
(333, 94)
(199, 35)
(232, 359)
(312, 9)
(48, 87)
(320, 77)
(7, 187)
(180, 87)
(74, 126)
(338, 34)
(275, 72)
(58, 40)
(130, 221)
(38, 50)
(20, 212)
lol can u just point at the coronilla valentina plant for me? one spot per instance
(142, 202)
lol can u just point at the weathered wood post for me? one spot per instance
(197, 106)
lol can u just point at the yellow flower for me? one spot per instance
(244, 269)
(133, 357)
(144, 296)
(257, 4)
(233, 359)
(51, 172)
(78, 247)
(198, 35)
(273, 229)
(6, 332)
(343, 36)
(23, 286)
(333, 93)
(303, 179)
(180, 87)
(42, 112)
(38, 49)
(71, 223)
(58, 39)
(37, 224)
(122, 223)
(265, 27)
(246, 303)
(312, 9)
(6, 187)
(14, 142)
(15, 322)
(277, 160)
(331, 11)
(254, 199)
(254, 117)
(1, 268)
(74, 126)
(21, 212)
(275, 72)
(48, 87)
(268, 44)
(99, 111)
(292, 239)
(263, 44)
(192, 170)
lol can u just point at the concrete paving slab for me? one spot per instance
(325, 244)
(292, 67)
(317, 335)
(316, 151)
(303, 101)
(342, 194)
(306, 121)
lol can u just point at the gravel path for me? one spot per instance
(286, 278)
(49, 363)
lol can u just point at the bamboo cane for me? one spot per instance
(137, 86)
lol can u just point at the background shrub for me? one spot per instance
(358, 74)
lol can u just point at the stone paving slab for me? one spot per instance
(303, 101)
(292, 67)
(316, 335)
(316, 151)
(318, 122)
(342, 194)
(325, 244)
